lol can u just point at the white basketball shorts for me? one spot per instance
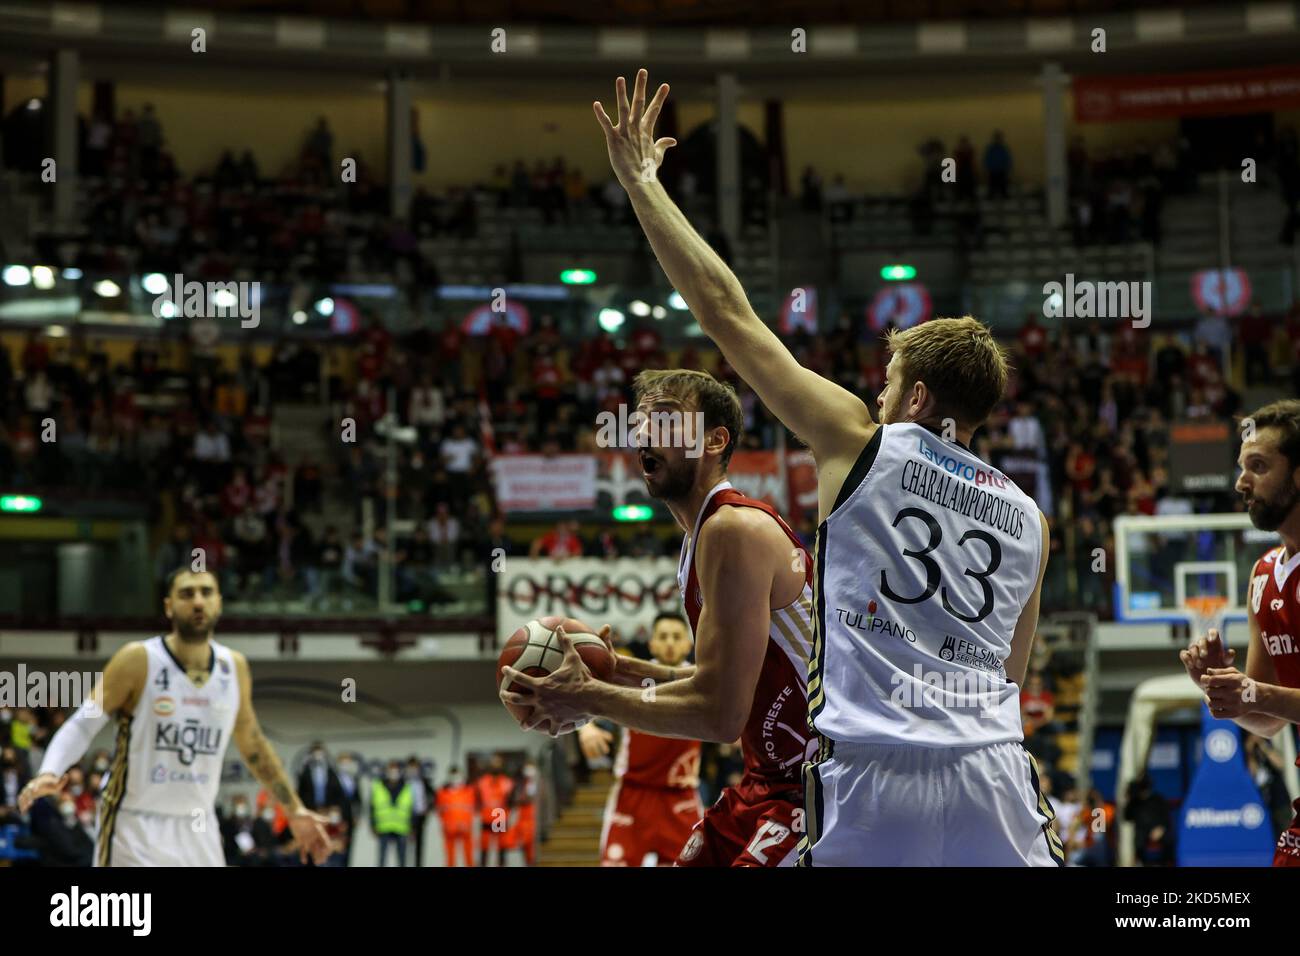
(131, 838)
(898, 805)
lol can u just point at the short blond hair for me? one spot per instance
(960, 363)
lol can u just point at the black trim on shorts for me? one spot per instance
(1054, 845)
(814, 812)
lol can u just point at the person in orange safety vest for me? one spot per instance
(492, 796)
(455, 808)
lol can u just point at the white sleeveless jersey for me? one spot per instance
(923, 568)
(169, 754)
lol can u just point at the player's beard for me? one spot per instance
(1269, 515)
(192, 633)
(889, 415)
(673, 481)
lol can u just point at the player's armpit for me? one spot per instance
(736, 561)
(1022, 640)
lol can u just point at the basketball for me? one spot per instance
(534, 650)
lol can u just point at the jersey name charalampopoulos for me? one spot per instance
(77, 909)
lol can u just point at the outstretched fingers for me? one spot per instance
(603, 118)
(620, 100)
(638, 95)
(651, 116)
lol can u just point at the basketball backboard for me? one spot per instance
(1192, 569)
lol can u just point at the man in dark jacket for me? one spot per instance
(318, 784)
(422, 798)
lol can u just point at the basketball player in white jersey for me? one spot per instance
(177, 699)
(929, 568)
(746, 583)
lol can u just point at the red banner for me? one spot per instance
(1099, 99)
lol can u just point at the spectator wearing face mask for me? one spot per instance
(237, 835)
(76, 789)
(492, 797)
(318, 784)
(421, 804)
(390, 812)
(455, 809)
(266, 839)
(268, 809)
(349, 774)
(99, 762)
(63, 840)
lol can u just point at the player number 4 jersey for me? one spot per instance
(170, 752)
(923, 569)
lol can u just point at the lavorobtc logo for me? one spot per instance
(944, 461)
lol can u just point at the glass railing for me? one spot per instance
(1174, 296)
(36, 296)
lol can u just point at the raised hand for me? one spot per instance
(634, 153)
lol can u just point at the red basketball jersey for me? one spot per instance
(1275, 601)
(775, 741)
(666, 763)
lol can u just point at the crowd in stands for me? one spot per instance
(313, 220)
(394, 799)
(1083, 428)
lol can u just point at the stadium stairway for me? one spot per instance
(298, 435)
(574, 838)
(19, 212)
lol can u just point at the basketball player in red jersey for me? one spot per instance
(746, 581)
(655, 800)
(1266, 697)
